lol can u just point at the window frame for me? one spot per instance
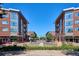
(4, 30)
(68, 14)
(76, 21)
(13, 30)
(66, 30)
(13, 23)
(77, 29)
(77, 14)
(5, 16)
(13, 15)
(5, 22)
(68, 23)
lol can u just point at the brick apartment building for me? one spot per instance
(67, 25)
(12, 24)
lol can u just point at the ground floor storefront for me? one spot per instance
(71, 39)
(9, 39)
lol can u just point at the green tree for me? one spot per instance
(49, 36)
(34, 36)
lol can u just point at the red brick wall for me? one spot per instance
(1, 25)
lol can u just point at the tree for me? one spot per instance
(33, 36)
(49, 36)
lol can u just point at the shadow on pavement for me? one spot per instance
(71, 53)
(11, 53)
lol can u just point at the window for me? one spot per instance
(13, 23)
(68, 23)
(13, 30)
(68, 15)
(77, 22)
(5, 29)
(77, 14)
(68, 30)
(4, 22)
(5, 16)
(13, 19)
(13, 16)
(77, 29)
(68, 12)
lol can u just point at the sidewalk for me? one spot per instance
(34, 53)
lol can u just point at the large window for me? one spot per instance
(77, 29)
(68, 23)
(68, 30)
(68, 15)
(4, 29)
(5, 16)
(13, 23)
(4, 22)
(14, 19)
(77, 14)
(76, 21)
(68, 12)
(13, 15)
(13, 30)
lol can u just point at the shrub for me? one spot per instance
(14, 39)
(42, 48)
(63, 47)
(12, 48)
(67, 47)
(76, 48)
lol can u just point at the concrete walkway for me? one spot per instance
(34, 53)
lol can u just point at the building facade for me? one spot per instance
(12, 25)
(67, 25)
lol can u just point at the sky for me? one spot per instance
(41, 16)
